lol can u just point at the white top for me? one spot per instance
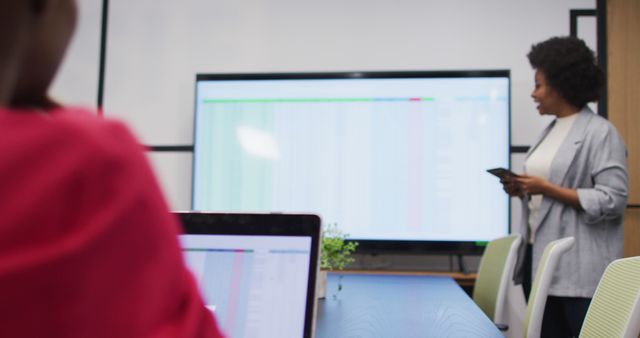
(539, 163)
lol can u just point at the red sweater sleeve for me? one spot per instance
(87, 245)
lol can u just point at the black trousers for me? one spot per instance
(563, 316)
(528, 266)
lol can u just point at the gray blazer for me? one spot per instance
(593, 160)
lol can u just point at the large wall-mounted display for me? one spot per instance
(396, 159)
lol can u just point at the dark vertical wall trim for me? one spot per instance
(103, 54)
(601, 21)
(601, 13)
(573, 23)
(573, 19)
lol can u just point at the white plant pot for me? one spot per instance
(321, 284)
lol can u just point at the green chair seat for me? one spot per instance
(494, 273)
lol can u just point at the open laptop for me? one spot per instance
(256, 272)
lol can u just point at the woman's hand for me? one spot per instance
(533, 185)
(511, 186)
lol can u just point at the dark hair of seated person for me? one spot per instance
(88, 247)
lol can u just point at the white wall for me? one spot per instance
(77, 81)
(155, 47)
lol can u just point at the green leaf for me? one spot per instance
(335, 254)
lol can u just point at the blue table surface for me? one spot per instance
(392, 306)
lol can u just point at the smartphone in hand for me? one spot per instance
(502, 172)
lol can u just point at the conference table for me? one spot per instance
(390, 306)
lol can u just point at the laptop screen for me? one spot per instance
(257, 279)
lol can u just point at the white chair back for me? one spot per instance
(541, 283)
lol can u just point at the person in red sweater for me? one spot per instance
(88, 247)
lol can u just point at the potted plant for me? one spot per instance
(335, 254)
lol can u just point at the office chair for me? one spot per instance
(494, 278)
(615, 308)
(541, 283)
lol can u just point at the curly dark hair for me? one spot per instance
(569, 67)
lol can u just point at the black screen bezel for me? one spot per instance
(369, 246)
(303, 225)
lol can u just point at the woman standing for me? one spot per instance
(575, 182)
